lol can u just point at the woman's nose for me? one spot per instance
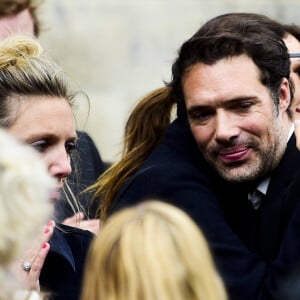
(61, 166)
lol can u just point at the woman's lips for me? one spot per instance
(55, 194)
(234, 154)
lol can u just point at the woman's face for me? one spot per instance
(47, 124)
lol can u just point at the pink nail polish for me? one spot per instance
(46, 230)
(44, 246)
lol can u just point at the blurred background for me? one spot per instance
(116, 51)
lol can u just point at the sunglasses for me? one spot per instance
(294, 55)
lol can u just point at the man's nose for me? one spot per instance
(226, 127)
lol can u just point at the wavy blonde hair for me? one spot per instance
(151, 251)
(26, 70)
(24, 202)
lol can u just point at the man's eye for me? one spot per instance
(200, 116)
(70, 147)
(244, 106)
(40, 146)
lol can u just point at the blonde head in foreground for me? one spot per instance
(151, 251)
(24, 203)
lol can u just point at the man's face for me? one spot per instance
(233, 118)
(293, 46)
(21, 23)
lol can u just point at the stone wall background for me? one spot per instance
(118, 50)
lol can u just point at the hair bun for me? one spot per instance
(16, 50)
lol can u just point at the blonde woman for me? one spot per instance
(36, 107)
(24, 207)
(152, 251)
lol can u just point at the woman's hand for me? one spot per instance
(28, 268)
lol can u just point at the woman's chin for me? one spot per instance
(54, 195)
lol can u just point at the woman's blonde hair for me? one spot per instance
(24, 202)
(151, 251)
(25, 70)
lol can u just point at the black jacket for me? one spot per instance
(177, 173)
(62, 272)
(263, 230)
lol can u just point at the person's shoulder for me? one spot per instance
(175, 162)
(89, 156)
(65, 230)
(177, 146)
(169, 177)
(84, 137)
(65, 237)
(70, 244)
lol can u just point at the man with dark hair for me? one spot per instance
(233, 91)
(237, 94)
(236, 90)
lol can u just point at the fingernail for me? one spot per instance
(46, 230)
(44, 245)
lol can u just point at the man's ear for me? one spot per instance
(284, 95)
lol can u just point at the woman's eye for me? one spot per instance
(70, 147)
(40, 146)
